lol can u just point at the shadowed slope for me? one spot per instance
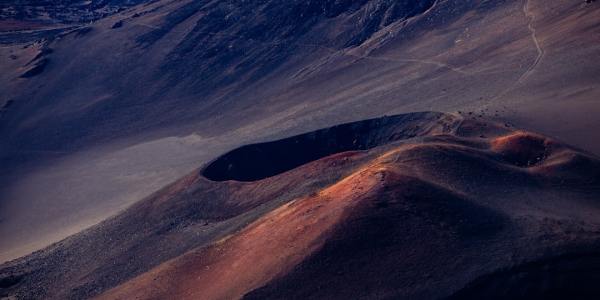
(561, 277)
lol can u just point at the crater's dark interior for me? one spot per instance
(259, 161)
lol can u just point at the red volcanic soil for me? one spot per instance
(398, 226)
(521, 148)
(267, 248)
(416, 206)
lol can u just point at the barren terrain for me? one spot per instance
(109, 108)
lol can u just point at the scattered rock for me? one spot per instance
(83, 31)
(36, 69)
(10, 281)
(118, 24)
(3, 109)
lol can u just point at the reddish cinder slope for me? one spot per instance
(401, 225)
(267, 248)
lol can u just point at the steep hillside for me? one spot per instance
(23, 14)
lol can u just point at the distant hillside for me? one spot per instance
(62, 11)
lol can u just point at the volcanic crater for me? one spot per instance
(262, 160)
(364, 209)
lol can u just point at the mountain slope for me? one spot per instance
(88, 112)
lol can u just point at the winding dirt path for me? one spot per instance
(540, 53)
(389, 59)
(538, 47)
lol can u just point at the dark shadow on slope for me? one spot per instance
(564, 277)
(37, 69)
(10, 281)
